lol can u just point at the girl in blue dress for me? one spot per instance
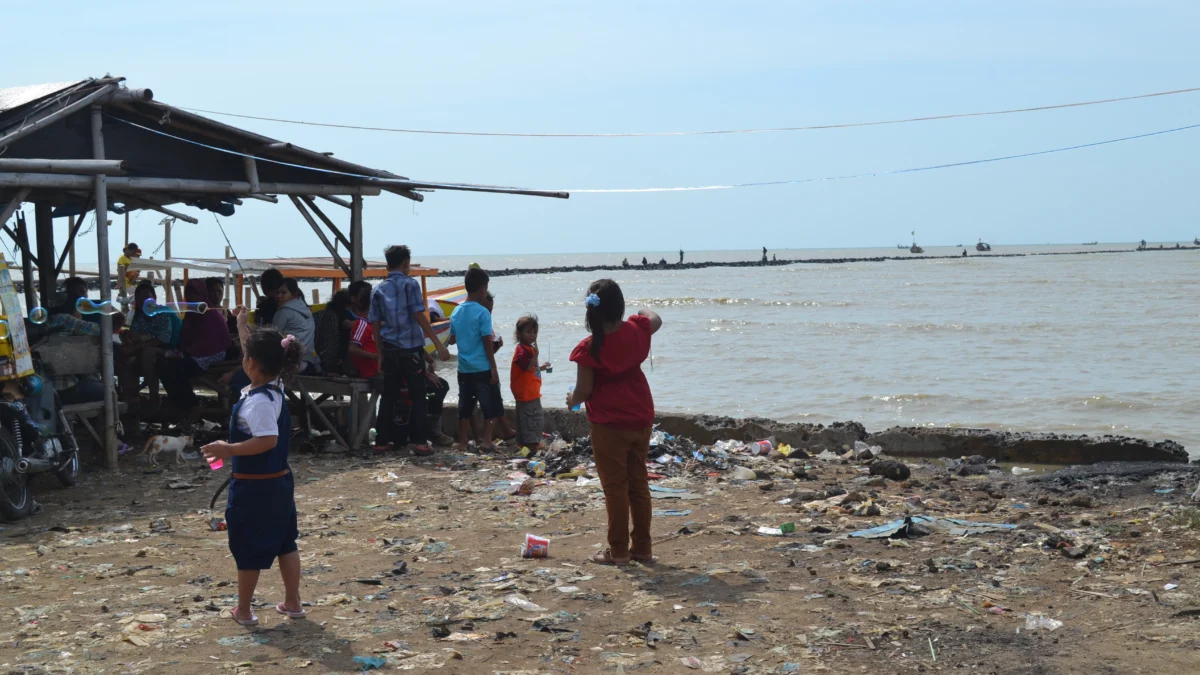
(261, 512)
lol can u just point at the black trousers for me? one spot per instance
(176, 376)
(401, 368)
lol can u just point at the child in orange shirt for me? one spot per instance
(525, 378)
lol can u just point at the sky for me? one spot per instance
(671, 66)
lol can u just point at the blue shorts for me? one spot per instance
(478, 387)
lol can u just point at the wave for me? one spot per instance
(723, 302)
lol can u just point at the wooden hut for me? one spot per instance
(74, 147)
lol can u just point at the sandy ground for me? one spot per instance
(123, 574)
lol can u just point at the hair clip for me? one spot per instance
(592, 300)
(287, 341)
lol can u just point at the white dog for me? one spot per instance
(159, 444)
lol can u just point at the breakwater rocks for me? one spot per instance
(780, 263)
(1028, 447)
(917, 442)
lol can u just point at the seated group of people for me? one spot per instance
(175, 350)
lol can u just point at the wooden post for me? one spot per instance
(71, 262)
(242, 292)
(106, 322)
(316, 297)
(44, 225)
(356, 238)
(126, 229)
(247, 303)
(26, 262)
(170, 287)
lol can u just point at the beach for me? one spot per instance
(414, 564)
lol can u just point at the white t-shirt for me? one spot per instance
(259, 415)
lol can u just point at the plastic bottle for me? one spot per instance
(571, 390)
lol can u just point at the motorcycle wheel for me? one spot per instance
(15, 500)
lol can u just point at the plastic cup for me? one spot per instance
(215, 464)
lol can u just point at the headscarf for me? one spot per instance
(203, 334)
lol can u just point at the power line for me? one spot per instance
(883, 173)
(815, 127)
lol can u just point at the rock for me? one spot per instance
(1084, 501)
(867, 508)
(1025, 447)
(883, 566)
(854, 498)
(1074, 552)
(799, 473)
(878, 481)
(971, 470)
(892, 469)
(767, 486)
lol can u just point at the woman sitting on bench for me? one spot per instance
(203, 341)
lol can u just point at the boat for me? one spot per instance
(914, 248)
(1196, 241)
(1090, 243)
(983, 246)
(901, 246)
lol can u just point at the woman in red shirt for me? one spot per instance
(620, 411)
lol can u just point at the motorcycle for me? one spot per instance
(35, 437)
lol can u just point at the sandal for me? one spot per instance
(289, 613)
(645, 561)
(605, 558)
(423, 451)
(252, 621)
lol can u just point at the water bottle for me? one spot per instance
(571, 390)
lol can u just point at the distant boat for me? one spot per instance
(901, 246)
(1196, 241)
(915, 249)
(1090, 243)
(983, 246)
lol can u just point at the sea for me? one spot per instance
(1103, 343)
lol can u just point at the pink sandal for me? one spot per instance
(252, 621)
(289, 613)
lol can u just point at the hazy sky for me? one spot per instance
(636, 66)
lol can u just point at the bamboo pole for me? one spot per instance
(85, 166)
(106, 327)
(312, 222)
(170, 287)
(312, 204)
(356, 238)
(126, 229)
(14, 204)
(148, 184)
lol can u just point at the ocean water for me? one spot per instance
(1091, 344)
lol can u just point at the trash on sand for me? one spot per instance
(788, 528)
(366, 663)
(1039, 622)
(521, 602)
(742, 473)
(671, 513)
(1021, 471)
(771, 531)
(535, 547)
(952, 526)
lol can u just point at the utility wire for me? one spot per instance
(881, 173)
(816, 127)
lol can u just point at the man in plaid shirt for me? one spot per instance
(400, 325)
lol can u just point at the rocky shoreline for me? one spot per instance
(913, 442)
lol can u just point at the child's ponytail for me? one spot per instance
(293, 354)
(605, 303)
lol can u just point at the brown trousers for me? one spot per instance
(621, 463)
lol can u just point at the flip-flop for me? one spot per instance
(289, 613)
(605, 558)
(252, 621)
(646, 561)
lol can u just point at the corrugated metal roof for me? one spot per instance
(15, 97)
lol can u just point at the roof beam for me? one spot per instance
(395, 183)
(321, 235)
(141, 184)
(312, 204)
(146, 204)
(110, 167)
(14, 204)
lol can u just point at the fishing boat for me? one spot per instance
(914, 248)
(901, 246)
(1090, 243)
(1196, 241)
(983, 246)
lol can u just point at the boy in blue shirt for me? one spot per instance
(471, 329)
(400, 325)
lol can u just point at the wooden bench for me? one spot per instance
(82, 412)
(361, 398)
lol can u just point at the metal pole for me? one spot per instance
(27, 263)
(356, 238)
(106, 327)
